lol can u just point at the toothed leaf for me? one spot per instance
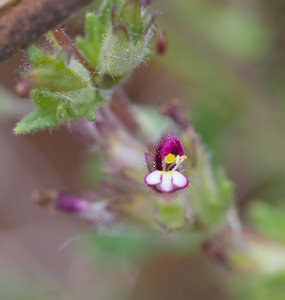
(36, 120)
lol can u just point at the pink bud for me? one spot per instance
(161, 44)
(23, 88)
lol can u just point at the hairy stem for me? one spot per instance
(65, 42)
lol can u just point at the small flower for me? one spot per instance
(168, 158)
(68, 203)
(95, 212)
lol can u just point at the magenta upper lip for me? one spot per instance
(169, 143)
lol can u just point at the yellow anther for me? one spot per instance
(170, 158)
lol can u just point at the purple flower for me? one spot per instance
(168, 158)
(95, 212)
(168, 144)
(68, 203)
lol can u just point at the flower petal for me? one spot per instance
(68, 203)
(166, 182)
(153, 178)
(179, 180)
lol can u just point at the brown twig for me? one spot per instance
(65, 42)
(24, 21)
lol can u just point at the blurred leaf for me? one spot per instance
(36, 120)
(171, 215)
(117, 248)
(37, 56)
(128, 243)
(259, 287)
(269, 219)
(105, 12)
(210, 191)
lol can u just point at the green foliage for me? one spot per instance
(260, 287)
(56, 76)
(124, 246)
(38, 119)
(62, 91)
(269, 219)
(130, 15)
(63, 88)
(90, 45)
(37, 57)
(171, 215)
(116, 49)
(129, 244)
(211, 193)
(211, 196)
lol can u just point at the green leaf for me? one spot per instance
(211, 193)
(105, 13)
(45, 99)
(121, 247)
(36, 120)
(90, 46)
(56, 77)
(130, 15)
(171, 215)
(268, 218)
(37, 56)
(64, 112)
(118, 56)
(210, 197)
(259, 287)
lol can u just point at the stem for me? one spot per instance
(65, 42)
(23, 21)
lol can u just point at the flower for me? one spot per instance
(168, 159)
(68, 203)
(120, 136)
(95, 212)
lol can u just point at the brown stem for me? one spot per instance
(65, 42)
(24, 21)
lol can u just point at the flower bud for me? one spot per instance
(69, 203)
(161, 44)
(23, 88)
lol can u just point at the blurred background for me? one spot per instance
(225, 62)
